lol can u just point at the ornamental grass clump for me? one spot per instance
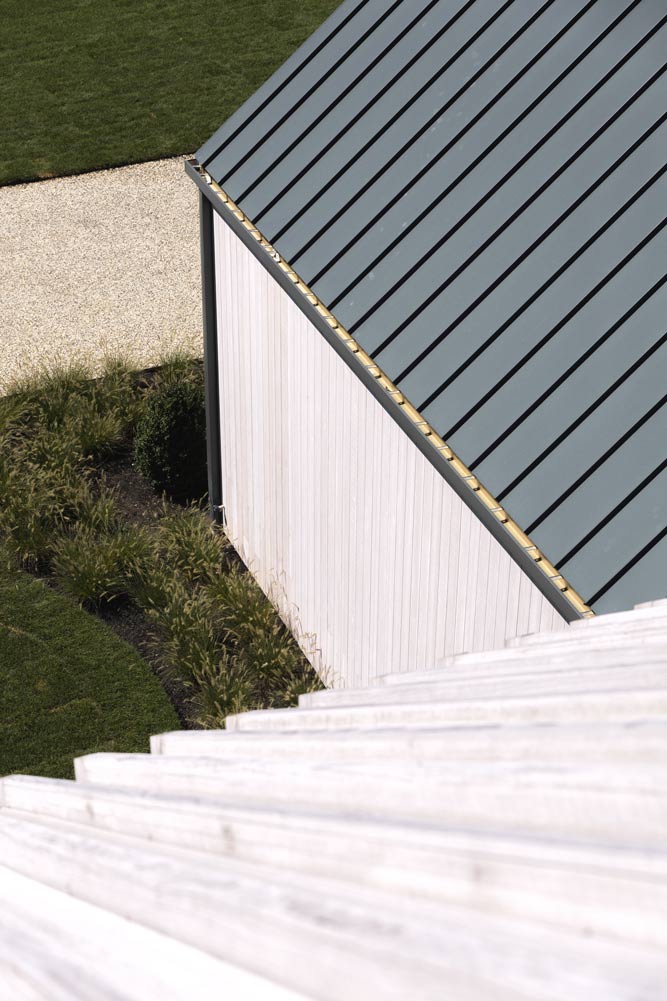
(95, 416)
(47, 396)
(187, 542)
(214, 627)
(39, 503)
(52, 428)
(97, 567)
(223, 687)
(264, 651)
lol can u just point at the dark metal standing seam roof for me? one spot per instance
(478, 193)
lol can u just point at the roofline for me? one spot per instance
(504, 529)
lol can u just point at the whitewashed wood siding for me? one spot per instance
(369, 554)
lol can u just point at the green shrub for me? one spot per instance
(95, 568)
(170, 442)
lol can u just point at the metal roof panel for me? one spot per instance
(478, 193)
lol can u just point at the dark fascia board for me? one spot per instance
(468, 496)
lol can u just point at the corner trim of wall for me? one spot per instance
(543, 574)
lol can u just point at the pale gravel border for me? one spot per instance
(100, 264)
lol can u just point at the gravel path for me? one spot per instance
(99, 264)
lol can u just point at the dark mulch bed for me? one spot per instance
(135, 498)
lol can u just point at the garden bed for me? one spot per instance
(75, 511)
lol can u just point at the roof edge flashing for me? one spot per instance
(514, 540)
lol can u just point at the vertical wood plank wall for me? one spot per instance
(368, 553)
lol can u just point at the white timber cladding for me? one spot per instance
(370, 556)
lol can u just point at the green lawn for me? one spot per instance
(98, 83)
(68, 685)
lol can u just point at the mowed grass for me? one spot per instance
(86, 84)
(68, 685)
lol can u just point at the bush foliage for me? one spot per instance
(170, 443)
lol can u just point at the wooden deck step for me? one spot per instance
(636, 625)
(646, 611)
(586, 801)
(616, 890)
(493, 827)
(513, 661)
(562, 744)
(647, 674)
(54, 947)
(319, 937)
(616, 707)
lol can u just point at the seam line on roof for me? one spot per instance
(560, 271)
(611, 221)
(286, 82)
(426, 257)
(432, 121)
(276, 125)
(599, 462)
(629, 565)
(550, 334)
(516, 533)
(648, 479)
(636, 306)
(360, 78)
(370, 104)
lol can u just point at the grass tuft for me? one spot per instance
(189, 544)
(52, 428)
(95, 567)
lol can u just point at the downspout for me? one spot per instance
(211, 373)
